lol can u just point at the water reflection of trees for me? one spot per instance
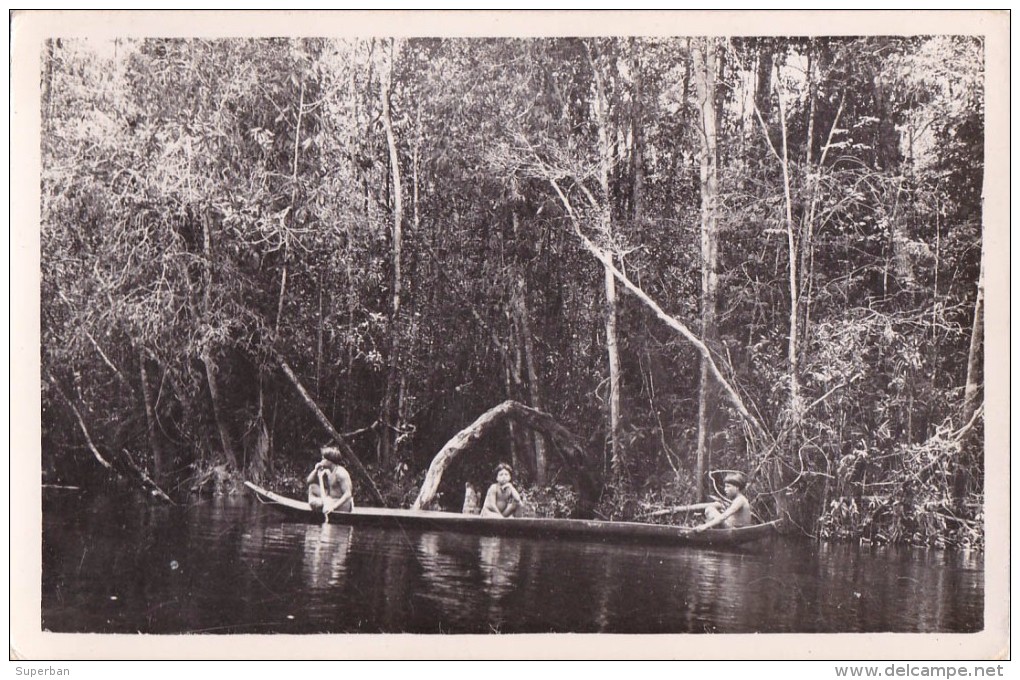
(380, 584)
(450, 583)
(895, 588)
(499, 561)
(218, 568)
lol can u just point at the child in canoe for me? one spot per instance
(502, 500)
(329, 484)
(737, 513)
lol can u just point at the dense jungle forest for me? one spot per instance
(654, 258)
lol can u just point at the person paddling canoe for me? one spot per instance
(329, 484)
(737, 513)
(502, 500)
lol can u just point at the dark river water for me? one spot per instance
(232, 566)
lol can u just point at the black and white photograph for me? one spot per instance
(650, 329)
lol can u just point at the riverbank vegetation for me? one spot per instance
(690, 254)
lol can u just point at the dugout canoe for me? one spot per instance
(529, 527)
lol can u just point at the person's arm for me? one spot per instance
(490, 500)
(314, 475)
(514, 503)
(723, 516)
(345, 484)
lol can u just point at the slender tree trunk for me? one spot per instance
(763, 81)
(705, 72)
(515, 446)
(151, 427)
(534, 389)
(807, 217)
(637, 132)
(811, 95)
(226, 440)
(612, 347)
(791, 242)
(534, 386)
(807, 245)
(211, 369)
(612, 343)
(687, 75)
(387, 440)
(319, 343)
(261, 448)
(972, 393)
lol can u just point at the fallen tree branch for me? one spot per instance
(563, 442)
(670, 321)
(143, 477)
(123, 463)
(349, 456)
(81, 424)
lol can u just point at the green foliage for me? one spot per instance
(556, 500)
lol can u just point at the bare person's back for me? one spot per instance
(742, 517)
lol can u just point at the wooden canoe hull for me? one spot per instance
(530, 527)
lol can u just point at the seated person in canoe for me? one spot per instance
(502, 500)
(329, 484)
(735, 513)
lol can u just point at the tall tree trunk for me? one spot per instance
(515, 444)
(534, 390)
(811, 183)
(811, 95)
(534, 387)
(612, 343)
(791, 242)
(763, 81)
(151, 426)
(226, 440)
(211, 369)
(705, 71)
(972, 393)
(807, 244)
(390, 416)
(319, 344)
(637, 169)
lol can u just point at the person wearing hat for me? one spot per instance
(502, 499)
(737, 513)
(329, 484)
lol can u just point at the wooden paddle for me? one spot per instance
(675, 509)
(325, 496)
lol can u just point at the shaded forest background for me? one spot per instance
(693, 253)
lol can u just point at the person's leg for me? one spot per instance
(315, 496)
(713, 511)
